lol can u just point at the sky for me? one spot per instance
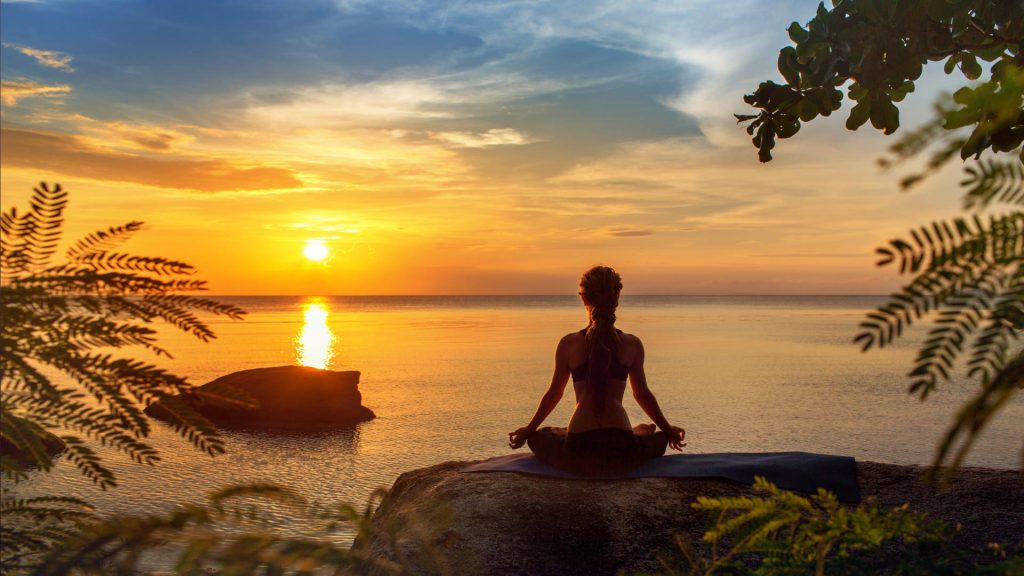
(484, 147)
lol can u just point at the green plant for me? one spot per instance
(66, 318)
(783, 533)
(966, 272)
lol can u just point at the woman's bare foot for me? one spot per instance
(644, 429)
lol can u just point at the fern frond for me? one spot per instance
(972, 418)
(42, 507)
(95, 422)
(104, 261)
(927, 293)
(17, 373)
(956, 243)
(88, 462)
(993, 180)
(71, 281)
(190, 424)
(26, 436)
(960, 318)
(30, 240)
(34, 526)
(948, 258)
(1004, 324)
(92, 332)
(102, 240)
(99, 375)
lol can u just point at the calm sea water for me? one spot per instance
(449, 377)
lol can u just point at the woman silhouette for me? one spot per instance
(599, 439)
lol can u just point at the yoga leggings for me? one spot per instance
(598, 452)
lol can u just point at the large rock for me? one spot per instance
(439, 520)
(291, 397)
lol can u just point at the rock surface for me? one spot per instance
(291, 397)
(438, 520)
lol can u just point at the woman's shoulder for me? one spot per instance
(573, 337)
(631, 340)
(628, 336)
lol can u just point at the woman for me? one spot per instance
(599, 439)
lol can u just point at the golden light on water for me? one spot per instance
(316, 251)
(314, 346)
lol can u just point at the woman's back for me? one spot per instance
(591, 411)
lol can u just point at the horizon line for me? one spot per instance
(526, 295)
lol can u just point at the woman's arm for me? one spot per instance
(645, 398)
(550, 399)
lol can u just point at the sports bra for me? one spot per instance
(616, 370)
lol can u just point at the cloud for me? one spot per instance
(132, 136)
(492, 137)
(152, 140)
(375, 104)
(627, 232)
(48, 58)
(73, 156)
(13, 90)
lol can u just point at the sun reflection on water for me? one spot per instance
(314, 346)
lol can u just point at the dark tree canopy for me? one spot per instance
(880, 48)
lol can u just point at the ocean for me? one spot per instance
(449, 377)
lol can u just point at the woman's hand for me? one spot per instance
(518, 438)
(675, 437)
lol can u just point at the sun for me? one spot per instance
(316, 251)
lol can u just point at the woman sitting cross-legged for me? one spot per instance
(599, 440)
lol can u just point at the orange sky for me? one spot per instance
(508, 161)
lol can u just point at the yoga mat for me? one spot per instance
(800, 471)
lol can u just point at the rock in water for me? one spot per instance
(290, 397)
(439, 520)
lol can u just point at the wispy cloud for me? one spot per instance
(134, 136)
(64, 154)
(492, 137)
(625, 232)
(380, 103)
(48, 58)
(11, 91)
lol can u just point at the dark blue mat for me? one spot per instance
(800, 471)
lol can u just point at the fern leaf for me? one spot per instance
(88, 462)
(102, 240)
(190, 424)
(993, 180)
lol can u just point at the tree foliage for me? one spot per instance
(62, 323)
(967, 273)
(880, 47)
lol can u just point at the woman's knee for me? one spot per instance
(544, 441)
(654, 445)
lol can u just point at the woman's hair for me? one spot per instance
(600, 287)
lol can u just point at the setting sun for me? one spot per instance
(316, 251)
